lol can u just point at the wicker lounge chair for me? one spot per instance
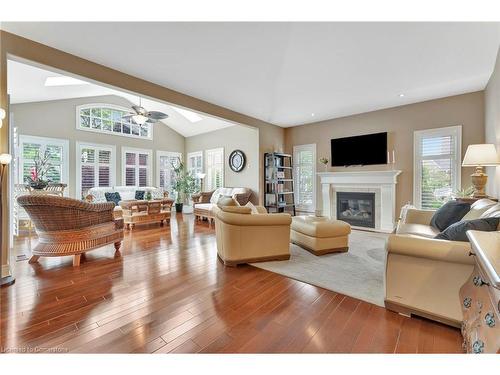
(68, 226)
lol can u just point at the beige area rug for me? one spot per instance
(359, 273)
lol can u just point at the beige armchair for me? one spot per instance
(423, 275)
(248, 238)
(68, 226)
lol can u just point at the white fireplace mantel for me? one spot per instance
(382, 183)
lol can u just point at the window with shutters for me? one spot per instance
(437, 165)
(57, 149)
(304, 165)
(215, 169)
(95, 167)
(108, 119)
(165, 161)
(136, 165)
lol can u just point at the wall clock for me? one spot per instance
(237, 160)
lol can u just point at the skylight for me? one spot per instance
(64, 81)
(191, 116)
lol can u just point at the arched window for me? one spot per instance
(108, 119)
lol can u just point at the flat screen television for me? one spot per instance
(366, 149)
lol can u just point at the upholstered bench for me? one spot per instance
(320, 235)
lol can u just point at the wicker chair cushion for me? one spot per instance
(113, 197)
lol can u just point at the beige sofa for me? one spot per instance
(251, 237)
(204, 202)
(424, 275)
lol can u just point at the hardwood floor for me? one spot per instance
(168, 293)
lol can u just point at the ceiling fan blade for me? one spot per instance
(155, 115)
(128, 115)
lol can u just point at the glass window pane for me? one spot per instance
(88, 155)
(96, 112)
(85, 121)
(96, 123)
(106, 113)
(117, 127)
(104, 156)
(126, 128)
(104, 176)
(144, 131)
(130, 176)
(85, 112)
(135, 129)
(107, 125)
(143, 177)
(130, 158)
(143, 159)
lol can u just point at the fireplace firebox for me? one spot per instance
(357, 209)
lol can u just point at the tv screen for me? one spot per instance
(359, 150)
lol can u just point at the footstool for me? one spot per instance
(320, 235)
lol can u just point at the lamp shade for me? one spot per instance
(481, 155)
(201, 176)
(5, 159)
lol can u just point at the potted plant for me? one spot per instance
(41, 167)
(324, 161)
(184, 184)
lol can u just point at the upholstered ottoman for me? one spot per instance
(320, 235)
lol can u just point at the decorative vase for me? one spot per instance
(178, 207)
(38, 185)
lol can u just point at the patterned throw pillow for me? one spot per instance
(139, 195)
(448, 214)
(113, 197)
(458, 231)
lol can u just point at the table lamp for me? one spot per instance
(201, 176)
(480, 156)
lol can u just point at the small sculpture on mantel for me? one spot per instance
(323, 160)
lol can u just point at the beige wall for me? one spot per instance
(237, 137)
(400, 122)
(492, 125)
(57, 119)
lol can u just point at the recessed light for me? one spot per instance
(312, 114)
(191, 116)
(64, 81)
(401, 95)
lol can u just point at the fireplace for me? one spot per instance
(357, 209)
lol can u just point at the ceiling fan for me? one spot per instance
(142, 116)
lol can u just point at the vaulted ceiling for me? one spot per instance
(289, 73)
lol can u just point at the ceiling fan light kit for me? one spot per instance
(140, 116)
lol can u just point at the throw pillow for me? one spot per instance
(448, 214)
(237, 209)
(252, 207)
(139, 195)
(457, 231)
(113, 197)
(227, 201)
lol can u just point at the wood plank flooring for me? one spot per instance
(168, 293)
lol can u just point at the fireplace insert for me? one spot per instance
(357, 209)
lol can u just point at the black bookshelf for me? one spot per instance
(278, 183)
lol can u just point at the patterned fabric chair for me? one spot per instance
(67, 226)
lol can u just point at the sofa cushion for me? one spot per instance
(227, 201)
(113, 197)
(478, 208)
(418, 230)
(139, 195)
(204, 206)
(237, 209)
(493, 211)
(448, 214)
(457, 231)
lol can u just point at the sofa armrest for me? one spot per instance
(415, 216)
(419, 247)
(261, 209)
(253, 220)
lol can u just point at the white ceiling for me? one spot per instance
(284, 72)
(26, 84)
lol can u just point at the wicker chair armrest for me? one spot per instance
(196, 197)
(100, 207)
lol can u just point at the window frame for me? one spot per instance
(159, 154)
(109, 106)
(296, 149)
(79, 146)
(149, 166)
(64, 143)
(208, 186)
(418, 135)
